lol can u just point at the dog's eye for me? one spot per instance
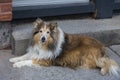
(40, 31)
(35, 32)
(48, 32)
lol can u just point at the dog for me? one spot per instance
(53, 47)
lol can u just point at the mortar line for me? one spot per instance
(114, 51)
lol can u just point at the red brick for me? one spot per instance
(4, 1)
(5, 10)
(5, 7)
(6, 16)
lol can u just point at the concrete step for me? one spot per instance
(116, 49)
(105, 30)
(17, 3)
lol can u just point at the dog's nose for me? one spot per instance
(43, 39)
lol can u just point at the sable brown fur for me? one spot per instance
(79, 51)
(43, 62)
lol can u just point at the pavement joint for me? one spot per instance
(114, 51)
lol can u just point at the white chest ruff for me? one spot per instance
(37, 53)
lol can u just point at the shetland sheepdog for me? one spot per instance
(53, 47)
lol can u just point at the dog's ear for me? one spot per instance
(53, 26)
(37, 22)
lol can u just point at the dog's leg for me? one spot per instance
(21, 58)
(42, 62)
(34, 62)
(23, 63)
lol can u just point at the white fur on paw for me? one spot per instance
(13, 60)
(23, 63)
(18, 65)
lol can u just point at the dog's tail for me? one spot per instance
(107, 65)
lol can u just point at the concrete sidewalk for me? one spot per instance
(53, 73)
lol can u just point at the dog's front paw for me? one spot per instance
(13, 60)
(18, 65)
(23, 63)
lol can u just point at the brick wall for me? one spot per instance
(5, 10)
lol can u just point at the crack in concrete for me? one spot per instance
(114, 51)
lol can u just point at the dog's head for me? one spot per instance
(44, 32)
